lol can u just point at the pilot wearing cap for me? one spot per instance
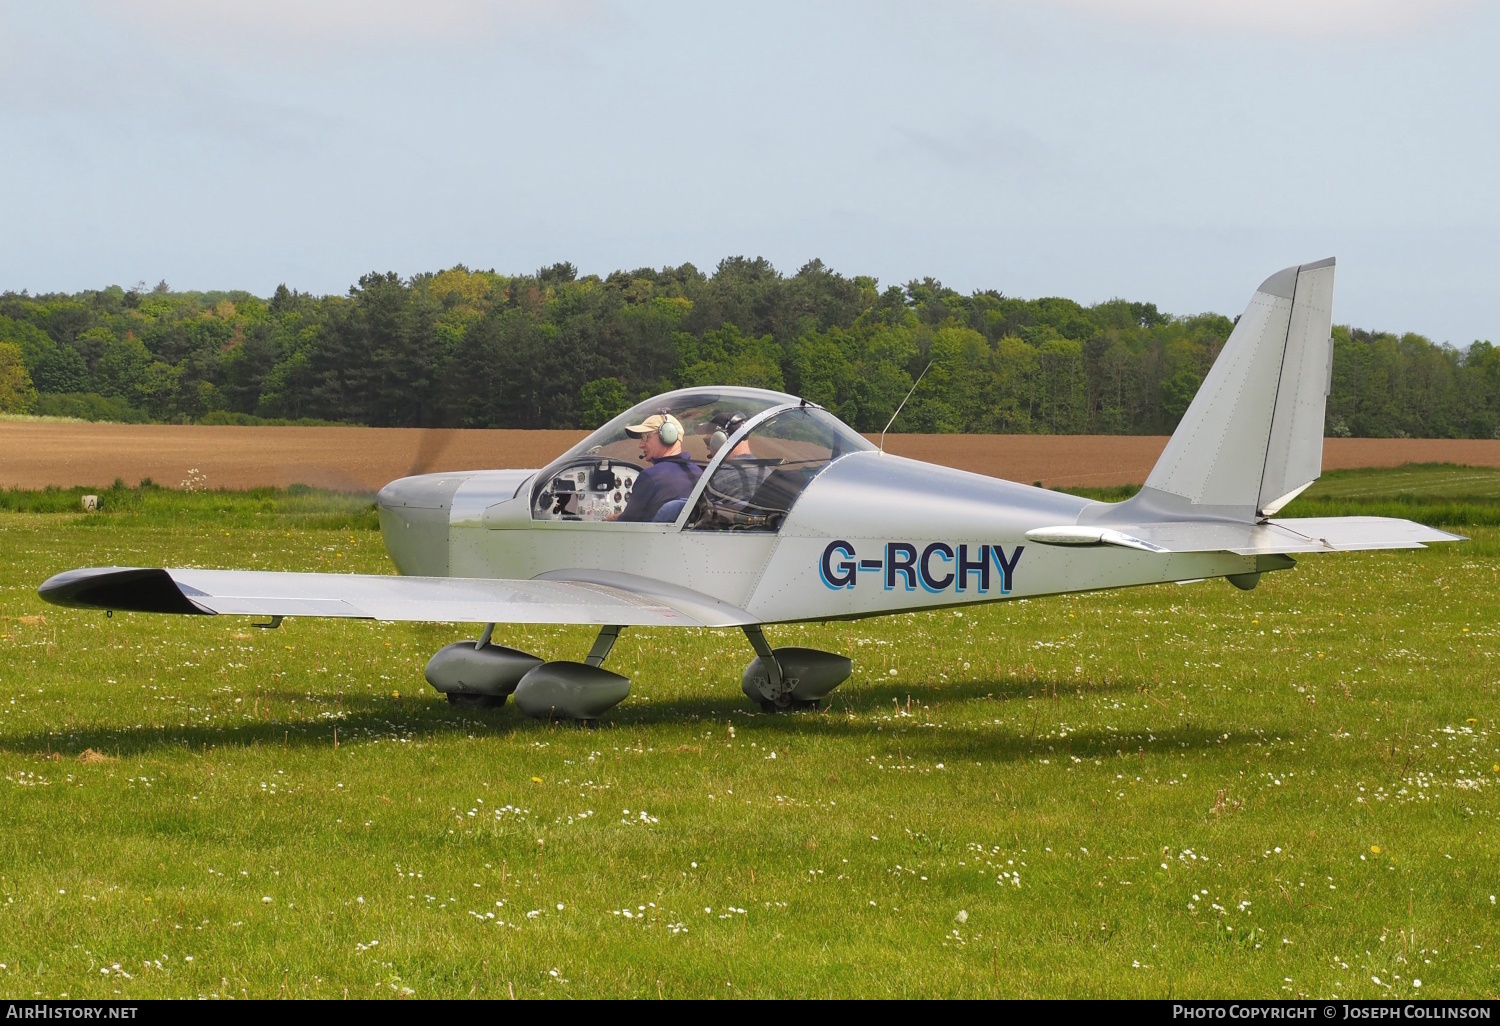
(671, 474)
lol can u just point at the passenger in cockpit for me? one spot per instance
(719, 428)
(740, 474)
(671, 474)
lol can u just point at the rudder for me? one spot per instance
(1294, 455)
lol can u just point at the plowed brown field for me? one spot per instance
(38, 454)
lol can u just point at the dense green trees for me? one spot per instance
(551, 349)
(16, 391)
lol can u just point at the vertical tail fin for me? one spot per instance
(1253, 436)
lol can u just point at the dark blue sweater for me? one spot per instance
(671, 477)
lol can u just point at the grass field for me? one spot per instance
(1168, 791)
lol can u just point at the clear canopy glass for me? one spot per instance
(610, 447)
(756, 484)
(694, 407)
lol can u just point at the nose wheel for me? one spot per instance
(475, 701)
(478, 674)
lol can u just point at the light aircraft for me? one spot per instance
(796, 517)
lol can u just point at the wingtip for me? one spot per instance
(128, 589)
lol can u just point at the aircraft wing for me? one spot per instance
(1298, 534)
(626, 603)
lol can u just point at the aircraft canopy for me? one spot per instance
(694, 407)
(754, 486)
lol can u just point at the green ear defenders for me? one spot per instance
(669, 433)
(720, 436)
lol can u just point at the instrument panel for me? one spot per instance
(594, 488)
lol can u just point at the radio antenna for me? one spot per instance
(914, 385)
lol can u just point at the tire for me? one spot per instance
(475, 701)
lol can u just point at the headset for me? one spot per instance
(720, 436)
(669, 432)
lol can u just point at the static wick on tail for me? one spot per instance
(913, 388)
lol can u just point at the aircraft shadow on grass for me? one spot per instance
(370, 718)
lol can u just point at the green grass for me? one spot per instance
(1438, 494)
(1416, 482)
(1188, 783)
(122, 507)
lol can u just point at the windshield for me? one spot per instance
(756, 484)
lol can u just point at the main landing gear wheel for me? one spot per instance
(475, 701)
(785, 679)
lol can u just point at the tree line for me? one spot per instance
(462, 348)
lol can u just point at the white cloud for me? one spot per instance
(1306, 19)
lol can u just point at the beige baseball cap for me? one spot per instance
(653, 425)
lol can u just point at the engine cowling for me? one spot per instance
(414, 513)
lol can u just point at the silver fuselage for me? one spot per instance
(914, 536)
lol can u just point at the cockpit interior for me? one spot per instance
(754, 486)
(757, 450)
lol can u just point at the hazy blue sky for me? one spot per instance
(1170, 150)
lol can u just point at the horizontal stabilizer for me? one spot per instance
(626, 603)
(1301, 534)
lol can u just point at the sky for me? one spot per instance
(1171, 151)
